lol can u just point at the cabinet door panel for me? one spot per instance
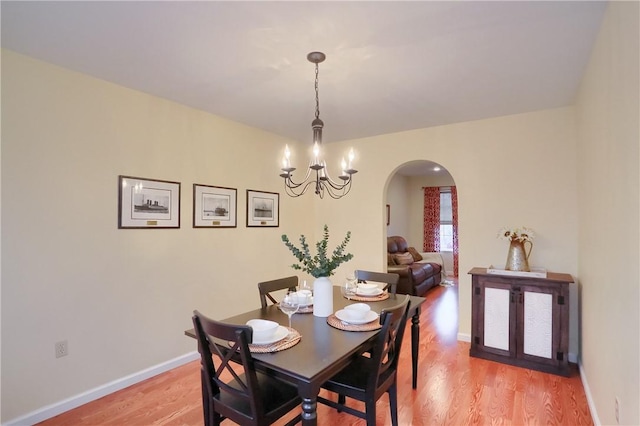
(496, 318)
(538, 324)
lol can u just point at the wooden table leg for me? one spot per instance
(415, 343)
(309, 413)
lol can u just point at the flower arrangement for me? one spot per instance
(521, 234)
(319, 265)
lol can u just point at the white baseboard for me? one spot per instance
(587, 392)
(60, 407)
(463, 337)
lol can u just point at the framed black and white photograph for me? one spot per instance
(263, 209)
(214, 206)
(148, 203)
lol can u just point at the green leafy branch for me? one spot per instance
(319, 265)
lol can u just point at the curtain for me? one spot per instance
(431, 237)
(454, 212)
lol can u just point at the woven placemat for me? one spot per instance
(304, 310)
(291, 340)
(335, 322)
(383, 296)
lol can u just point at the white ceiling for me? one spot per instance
(391, 66)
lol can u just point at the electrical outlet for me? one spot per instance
(617, 410)
(62, 349)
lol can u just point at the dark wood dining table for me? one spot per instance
(323, 350)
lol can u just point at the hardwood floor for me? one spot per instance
(453, 389)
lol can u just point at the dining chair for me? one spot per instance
(369, 376)
(266, 287)
(235, 390)
(390, 280)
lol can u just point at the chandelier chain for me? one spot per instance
(317, 97)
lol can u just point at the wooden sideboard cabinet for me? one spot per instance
(523, 321)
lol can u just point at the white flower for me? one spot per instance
(521, 234)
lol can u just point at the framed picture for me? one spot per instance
(388, 214)
(263, 209)
(214, 206)
(148, 203)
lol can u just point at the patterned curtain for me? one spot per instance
(454, 212)
(431, 238)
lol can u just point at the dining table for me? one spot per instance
(323, 350)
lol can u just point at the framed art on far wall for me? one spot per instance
(148, 203)
(263, 209)
(214, 206)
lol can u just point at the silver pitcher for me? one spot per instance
(518, 258)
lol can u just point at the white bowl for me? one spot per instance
(263, 329)
(304, 297)
(357, 311)
(365, 288)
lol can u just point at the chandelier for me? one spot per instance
(317, 174)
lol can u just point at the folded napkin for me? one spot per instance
(336, 322)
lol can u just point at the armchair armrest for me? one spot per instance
(432, 257)
(402, 270)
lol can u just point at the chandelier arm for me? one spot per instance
(337, 185)
(291, 191)
(341, 192)
(293, 184)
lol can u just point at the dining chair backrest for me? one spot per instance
(235, 390)
(390, 280)
(266, 287)
(243, 386)
(386, 352)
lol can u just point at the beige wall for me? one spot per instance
(122, 298)
(398, 198)
(608, 158)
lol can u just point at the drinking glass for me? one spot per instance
(306, 290)
(349, 288)
(306, 286)
(289, 304)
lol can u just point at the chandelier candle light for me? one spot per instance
(317, 174)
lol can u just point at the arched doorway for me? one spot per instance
(404, 198)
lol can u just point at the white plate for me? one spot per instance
(377, 292)
(342, 316)
(280, 334)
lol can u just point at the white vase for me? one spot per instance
(322, 297)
